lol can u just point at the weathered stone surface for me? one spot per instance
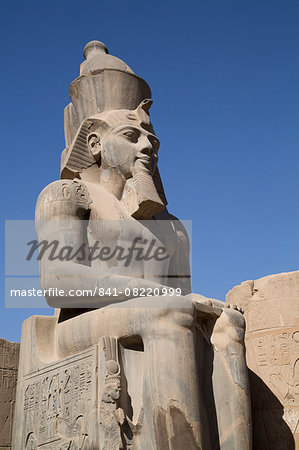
(271, 306)
(168, 369)
(9, 360)
(80, 390)
(59, 399)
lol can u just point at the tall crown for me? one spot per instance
(105, 83)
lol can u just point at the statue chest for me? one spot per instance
(130, 247)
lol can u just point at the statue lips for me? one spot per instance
(144, 163)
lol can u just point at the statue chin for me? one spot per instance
(141, 198)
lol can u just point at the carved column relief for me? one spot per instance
(111, 416)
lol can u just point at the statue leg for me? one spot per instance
(171, 417)
(171, 398)
(230, 382)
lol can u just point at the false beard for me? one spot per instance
(140, 196)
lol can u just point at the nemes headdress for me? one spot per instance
(106, 93)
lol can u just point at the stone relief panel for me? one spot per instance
(9, 360)
(276, 361)
(111, 416)
(58, 403)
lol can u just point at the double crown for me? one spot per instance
(105, 83)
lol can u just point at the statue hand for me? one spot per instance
(200, 299)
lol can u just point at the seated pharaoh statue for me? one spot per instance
(142, 363)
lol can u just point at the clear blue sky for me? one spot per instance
(225, 79)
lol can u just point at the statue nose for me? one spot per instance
(147, 147)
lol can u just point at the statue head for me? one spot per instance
(107, 129)
(112, 391)
(115, 138)
(124, 140)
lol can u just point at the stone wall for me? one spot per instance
(271, 306)
(9, 359)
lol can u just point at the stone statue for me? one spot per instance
(151, 366)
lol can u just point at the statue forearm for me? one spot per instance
(78, 286)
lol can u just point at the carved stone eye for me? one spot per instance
(131, 135)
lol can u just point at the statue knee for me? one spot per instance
(175, 313)
(236, 321)
(229, 329)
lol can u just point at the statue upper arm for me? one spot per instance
(180, 274)
(61, 211)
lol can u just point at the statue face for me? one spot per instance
(127, 146)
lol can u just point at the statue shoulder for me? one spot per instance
(63, 198)
(181, 232)
(178, 228)
(177, 225)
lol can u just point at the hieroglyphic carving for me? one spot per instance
(9, 359)
(58, 401)
(277, 363)
(277, 359)
(66, 190)
(111, 417)
(9, 354)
